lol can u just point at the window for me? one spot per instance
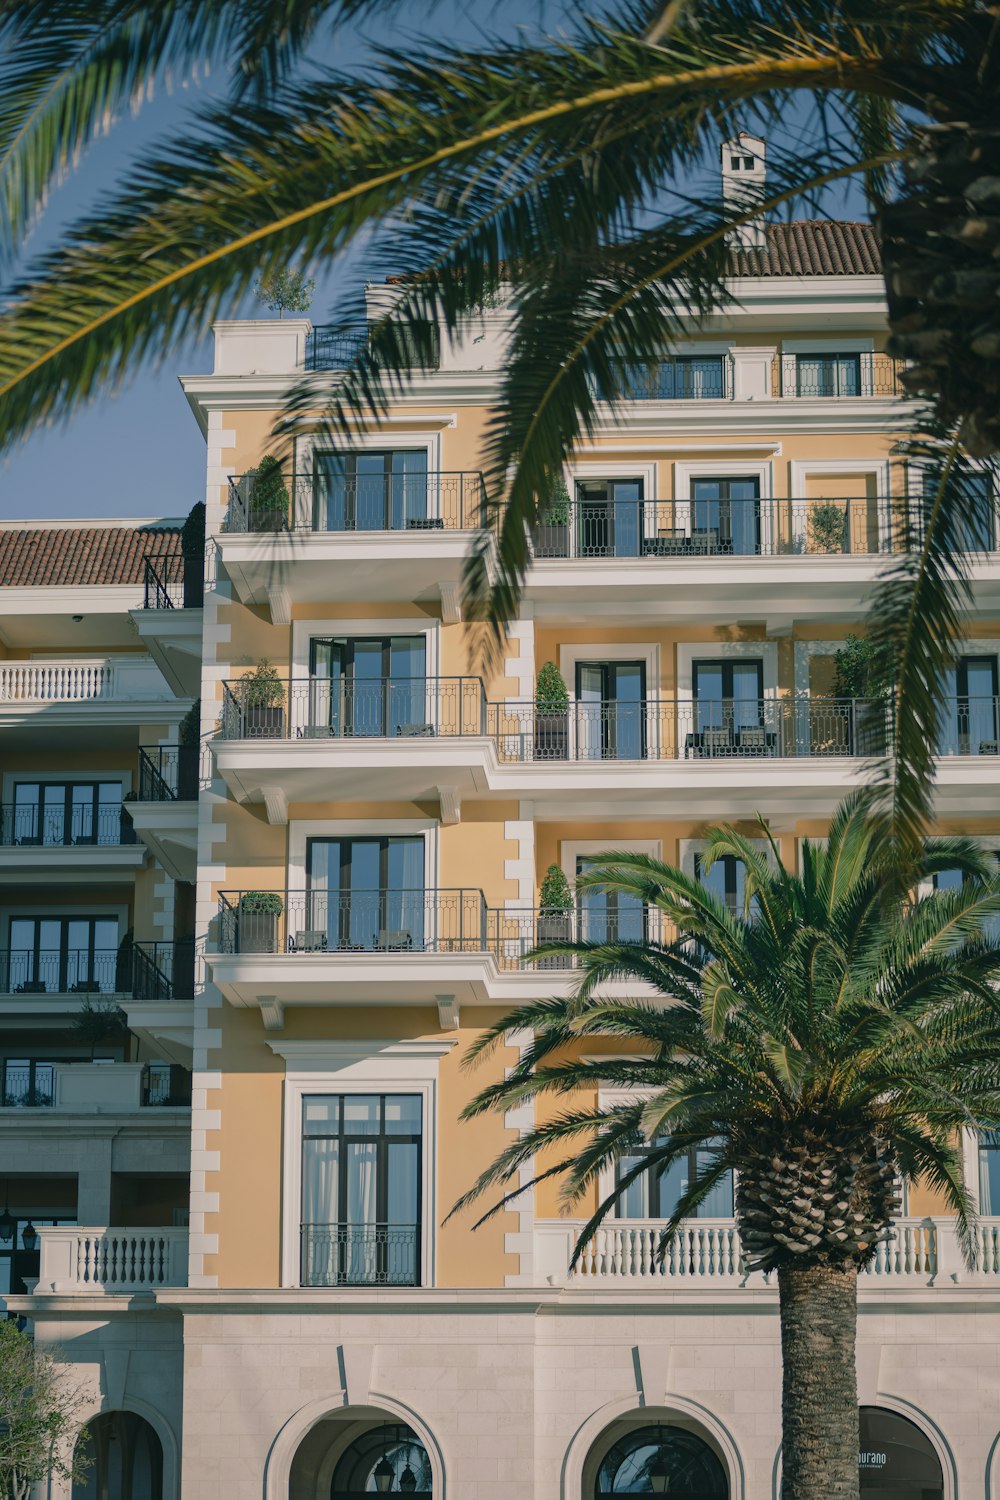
(609, 916)
(725, 516)
(368, 687)
(828, 375)
(969, 708)
(386, 1459)
(973, 525)
(609, 517)
(366, 894)
(656, 1194)
(63, 954)
(989, 1172)
(611, 710)
(726, 879)
(370, 491)
(63, 813)
(728, 707)
(361, 1189)
(662, 1460)
(18, 1265)
(27, 1083)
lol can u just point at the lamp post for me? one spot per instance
(29, 1236)
(407, 1481)
(659, 1472)
(7, 1224)
(383, 1475)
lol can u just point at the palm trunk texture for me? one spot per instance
(819, 1398)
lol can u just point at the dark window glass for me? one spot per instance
(725, 516)
(828, 375)
(639, 1463)
(384, 491)
(62, 954)
(656, 1194)
(609, 916)
(64, 813)
(969, 708)
(609, 517)
(611, 710)
(367, 893)
(368, 686)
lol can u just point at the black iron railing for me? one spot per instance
(325, 708)
(437, 500)
(141, 970)
(680, 529)
(169, 773)
(25, 825)
(333, 348)
(361, 921)
(360, 1254)
(166, 1084)
(823, 376)
(674, 378)
(28, 1084)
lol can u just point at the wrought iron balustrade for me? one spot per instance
(858, 526)
(169, 773)
(142, 970)
(670, 378)
(28, 1085)
(159, 971)
(361, 921)
(163, 582)
(360, 1255)
(165, 1084)
(28, 825)
(831, 375)
(331, 708)
(323, 501)
(331, 347)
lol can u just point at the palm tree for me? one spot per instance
(822, 1043)
(561, 169)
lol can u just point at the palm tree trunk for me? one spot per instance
(819, 1398)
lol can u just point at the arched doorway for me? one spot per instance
(123, 1458)
(896, 1458)
(660, 1459)
(386, 1460)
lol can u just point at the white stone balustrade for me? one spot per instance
(109, 679)
(101, 1260)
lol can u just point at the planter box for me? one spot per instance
(551, 736)
(258, 931)
(263, 723)
(552, 540)
(556, 928)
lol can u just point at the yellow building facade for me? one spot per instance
(377, 814)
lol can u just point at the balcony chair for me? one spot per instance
(425, 523)
(309, 940)
(414, 731)
(989, 747)
(755, 740)
(389, 940)
(716, 742)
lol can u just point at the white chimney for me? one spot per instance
(744, 174)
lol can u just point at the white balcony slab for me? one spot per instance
(169, 830)
(173, 638)
(40, 864)
(100, 701)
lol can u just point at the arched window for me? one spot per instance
(896, 1460)
(662, 1460)
(387, 1460)
(122, 1457)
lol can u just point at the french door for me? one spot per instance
(969, 707)
(611, 710)
(728, 702)
(63, 954)
(609, 517)
(370, 491)
(367, 894)
(725, 516)
(64, 813)
(608, 916)
(368, 687)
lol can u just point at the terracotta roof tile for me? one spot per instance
(812, 247)
(61, 556)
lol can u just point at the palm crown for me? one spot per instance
(821, 1043)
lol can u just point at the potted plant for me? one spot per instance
(828, 527)
(262, 698)
(259, 913)
(193, 556)
(860, 677)
(551, 714)
(555, 907)
(552, 535)
(99, 1022)
(268, 497)
(188, 749)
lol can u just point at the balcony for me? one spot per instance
(100, 701)
(706, 1255)
(329, 347)
(402, 535)
(360, 1255)
(170, 621)
(88, 843)
(93, 1088)
(101, 1261)
(820, 377)
(56, 981)
(165, 816)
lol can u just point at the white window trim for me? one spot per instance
(967, 646)
(689, 848)
(728, 468)
(799, 470)
(357, 1067)
(304, 632)
(569, 849)
(641, 470)
(648, 654)
(419, 442)
(689, 652)
(300, 830)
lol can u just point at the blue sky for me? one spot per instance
(139, 452)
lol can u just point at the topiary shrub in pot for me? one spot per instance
(551, 714)
(555, 914)
(861, 684)
(262, 697)
(268, 497)
(552, 533)
(193, 556)
(259, 913)
(828, 527)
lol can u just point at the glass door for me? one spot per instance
(62, 955)
(367, 894)
(611, 710)
(608, 916)
(368, 687)
(726, 516)
(609, 517)
(60, 813)
(728, 706)
(828, 375)
(370, 491)
(969, 707)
